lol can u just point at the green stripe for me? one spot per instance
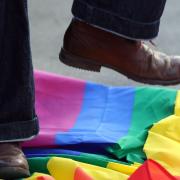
(150, 106)
(39, 164)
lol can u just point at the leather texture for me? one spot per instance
(134, 59)
(13, 163)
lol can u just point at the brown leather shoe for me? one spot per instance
(90, 48)
(13, 164)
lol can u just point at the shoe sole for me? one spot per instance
(9, 173)
(88, 64)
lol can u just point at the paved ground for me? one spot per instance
(50, 18)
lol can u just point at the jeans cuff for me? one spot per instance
(112, 22)
(19, 131)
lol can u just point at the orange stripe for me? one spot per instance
(81, 175)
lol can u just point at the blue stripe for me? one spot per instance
(105, 116)
(40, 152)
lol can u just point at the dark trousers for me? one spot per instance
(137, 19)
(17, 116)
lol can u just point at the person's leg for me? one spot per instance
(18, 121)
(109, 33)
(137, 19)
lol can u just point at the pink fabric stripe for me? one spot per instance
(58, 104)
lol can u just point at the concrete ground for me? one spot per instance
(49, 20)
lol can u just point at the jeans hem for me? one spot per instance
(112, 22)
(19, 131)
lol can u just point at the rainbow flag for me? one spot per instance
(98, 131)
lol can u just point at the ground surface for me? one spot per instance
(50, 18)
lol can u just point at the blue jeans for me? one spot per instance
(134, 19)
(138, 19)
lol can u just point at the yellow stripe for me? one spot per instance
(61, 168)
(125, 169)
(163, 144)
(64, 169)
(177, 104)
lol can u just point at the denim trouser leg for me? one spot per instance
(136, 19)
(17, 116)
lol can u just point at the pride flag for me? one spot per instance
(102, 129)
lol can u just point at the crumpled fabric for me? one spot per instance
(40, 176)
(163, 144)
(95, 127)
(163, 141)
(81, 115)
(151, 170)
(68, 169)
